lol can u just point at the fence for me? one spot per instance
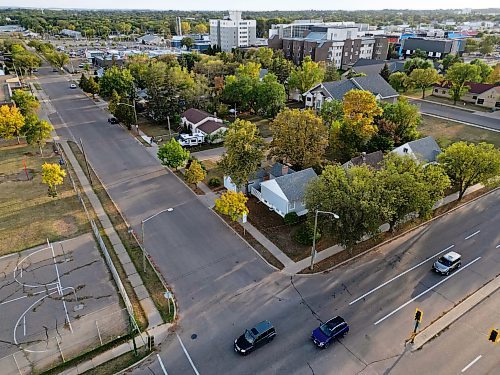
(44, 351)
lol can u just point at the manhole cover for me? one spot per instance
(78, 307)
(194, 336)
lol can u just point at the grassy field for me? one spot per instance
(212, 172)
(446, 132)
(28, 216)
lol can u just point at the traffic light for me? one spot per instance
(418, 315)
(493, 335)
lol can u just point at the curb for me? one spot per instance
(400, 235)
(456, 312)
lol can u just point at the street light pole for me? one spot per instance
(142, 235)
(313, 249)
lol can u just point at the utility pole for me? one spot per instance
(313, 249)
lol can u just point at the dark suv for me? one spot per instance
(329, 331)
(261, 334)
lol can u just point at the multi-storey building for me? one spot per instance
(233, 32)
(435, 48)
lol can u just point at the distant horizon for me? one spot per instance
(257, 5)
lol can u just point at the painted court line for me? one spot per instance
(401, 274)
(472, 235)
(425, 291)
(161, 365)
(187, 355)
(470, 364)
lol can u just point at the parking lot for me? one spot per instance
(56, 301)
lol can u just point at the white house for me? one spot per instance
(202, 123)
(262, 174)
(285, 194)
(482, 94)
(424, 150)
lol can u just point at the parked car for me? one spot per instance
(329, 331)
(449, 262)
(187, 140)
(255, 337)
(113, 120)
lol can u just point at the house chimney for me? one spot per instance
(363, 156)
(284, 169)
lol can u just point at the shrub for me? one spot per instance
(214, 182)
(304, 235)
(291, 218)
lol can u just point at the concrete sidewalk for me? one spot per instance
(431, 331)
(159, 333)
(154, 317)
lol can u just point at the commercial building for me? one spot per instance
(233, 32)
(434, 48)
(71, 33)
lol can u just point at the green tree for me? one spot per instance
(354, 195)
(201, 28)
(265, 56)
(36, 131)
(299, 138)
(52, 176)
(251, 69)
(331, 111)
(409, 187)
(172, 154)
(385, 72)
(116, 79)
(58, 59)
(406, 117)
(244, 152)
(471, 45)
(398, 81)
(26, 102)
(485, 69)
(416, 63)
(424, 78)
(468, 164)
(487, 44)
(11, 122)
(450, 60)
(270, 96)
(458, 75)
(494, 77)
(187, 42)
(306, 76)
(92, 87)
(240, 90)
(83, 82)
(232, 204)
(419, 54)
(331, 73)
(281, 68)
(195, 173)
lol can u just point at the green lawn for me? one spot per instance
(212, 172)
(28, 216)
(447, 132)
(261, 122)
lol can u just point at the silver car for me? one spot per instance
(447, 263)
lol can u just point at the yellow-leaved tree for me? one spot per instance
(232, 204)
(52, 175)
(11, 122)
(195, 173)
(360, 108)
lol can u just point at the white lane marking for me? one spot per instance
(401, 274)
(470, 364)
(497, 247)
(187, 355)
(161, 365)
(425, 291)
(472, 235)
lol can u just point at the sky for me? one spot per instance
(252, 4)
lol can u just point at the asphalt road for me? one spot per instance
(222, 287)
(456, 114)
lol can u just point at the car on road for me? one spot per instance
(329, 331)
(447, 263)
(55, 70)
(113, 120)
(255, 337)
(72, 86)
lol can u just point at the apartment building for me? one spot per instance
(233, 32)
(435, 48)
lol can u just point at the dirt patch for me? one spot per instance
(20, 176)
(270, 224)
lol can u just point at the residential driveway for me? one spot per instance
(491, 122)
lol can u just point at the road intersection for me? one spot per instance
(222, 287)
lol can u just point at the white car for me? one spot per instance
(72, 86)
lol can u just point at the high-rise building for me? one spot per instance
(232, 32)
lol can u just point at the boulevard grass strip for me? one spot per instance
(118, 364)
(266, 254)
(150, 279)
(139, 315)
(447, 131)
(28, 216)
(371, 243)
